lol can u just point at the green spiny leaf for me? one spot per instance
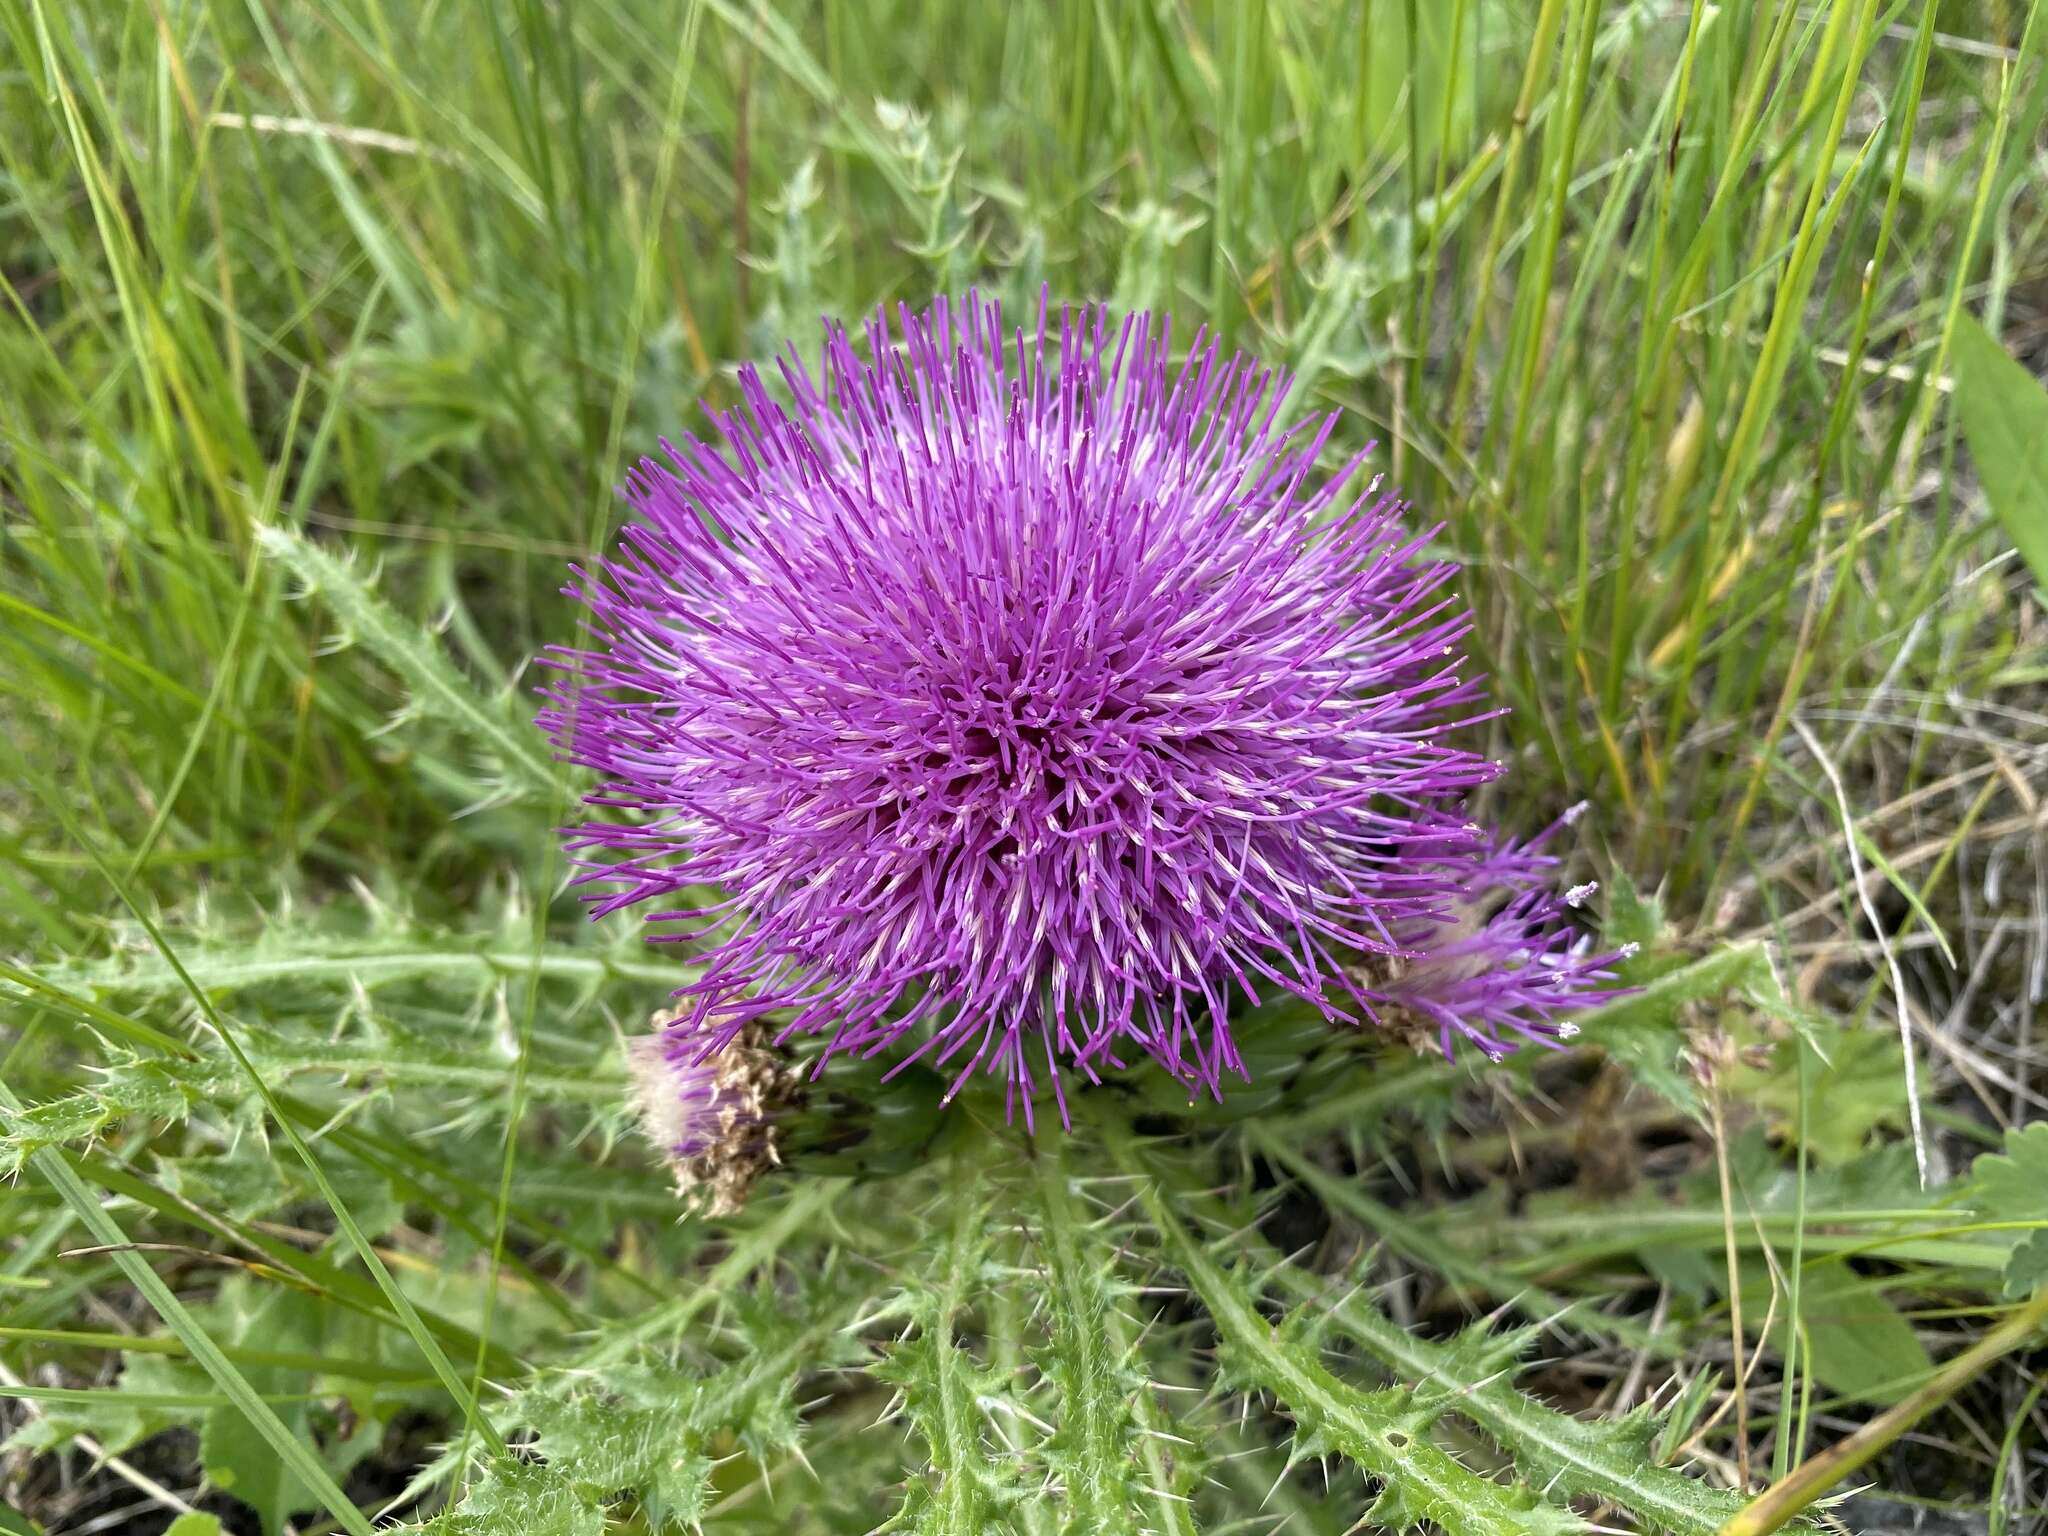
(648, 1429)
(944, 1386)
(1092, 1452)
(604, 1445)
(311, 957)
(414, 655)
(1563, 1455)
(1384, 1432)
(521, 1499)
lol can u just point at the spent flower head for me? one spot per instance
(709, 1108)
(1022, 697)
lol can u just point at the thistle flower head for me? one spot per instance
(709, 1110)
(1504, 965)
(1012, 696)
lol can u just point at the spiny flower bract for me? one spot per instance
(1027, 696)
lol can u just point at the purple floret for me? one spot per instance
(1012, 697)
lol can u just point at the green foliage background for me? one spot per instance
(325, 330)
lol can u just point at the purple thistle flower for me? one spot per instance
(1015, 696)
(1505, 965)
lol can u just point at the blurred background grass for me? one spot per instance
(1650, 304)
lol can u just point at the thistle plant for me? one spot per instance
(1025, 701)
(1059, 773)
